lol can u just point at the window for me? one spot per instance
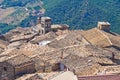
(5, 69)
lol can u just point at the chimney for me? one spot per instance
(104, 26)
(39, 20)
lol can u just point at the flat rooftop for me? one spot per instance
(44, 18)
(104, 23)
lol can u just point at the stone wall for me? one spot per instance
(104, 26)
(6, 71)
(26, 68)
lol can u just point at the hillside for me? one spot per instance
(17, 13)
(79, 14)
(84, 14)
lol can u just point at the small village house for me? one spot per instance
(16, 67)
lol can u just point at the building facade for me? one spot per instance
(6, 71)
(15, 67)
(46, 24)
(104, 26)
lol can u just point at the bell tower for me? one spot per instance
(46, 24)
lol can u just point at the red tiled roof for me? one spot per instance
(101, 77)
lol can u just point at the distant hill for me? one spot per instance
(15, 13)
(84, 14)
(79, 14)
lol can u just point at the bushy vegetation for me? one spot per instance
(84, 14)
(20, 17)
(6, 27)
(12, 3)
(79, 14)
(29, 21)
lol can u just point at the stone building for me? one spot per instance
(3, 44)
(48, 62)
(56, 27)
(104, 26)
(46, 24)
(102, 38)
(100, 77)
(15, 67)
(38, 20)
(80, 66)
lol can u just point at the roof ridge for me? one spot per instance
(14, 56)
(105, 36)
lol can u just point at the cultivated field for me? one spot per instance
(5, 12)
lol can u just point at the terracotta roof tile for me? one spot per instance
(101, 77)
(101, 38)
(18, 60)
